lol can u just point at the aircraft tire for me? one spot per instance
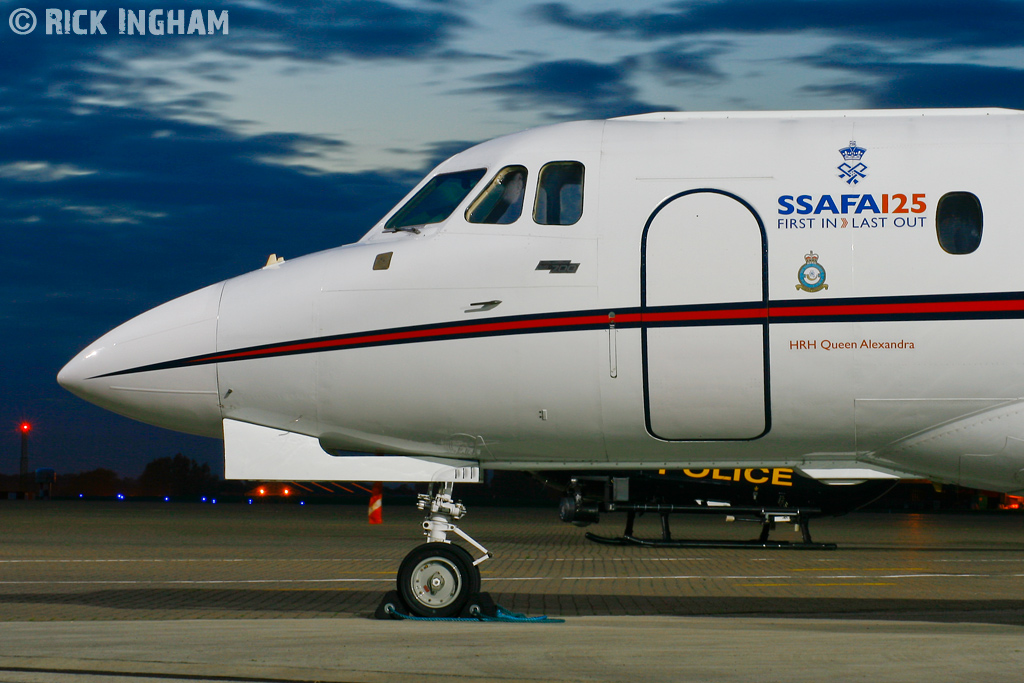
(437, 580)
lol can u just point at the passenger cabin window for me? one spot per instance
(559, 193)
(958, 222)
(502, 202)
(435, 201)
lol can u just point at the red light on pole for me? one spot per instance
(26, 484)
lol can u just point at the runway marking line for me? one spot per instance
(793, 584)
(200, 559)
(894, 569)
(863, 583)
(865, 569)
(763, 585)
(610, 559)
(794, 580)
(639, 560)
(972, 560)
(358, 559)
(830, 569)
(129, 582)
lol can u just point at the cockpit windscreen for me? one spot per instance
(436, 200)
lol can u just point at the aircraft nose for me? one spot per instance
(140, 368)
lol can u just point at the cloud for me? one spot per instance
(433, 153)
(898, 54)
(683, 62)
(158, 184)
(942, 23)
(41, 171)
(891, 83)
(366, 29)
(37, 68)
(568, 89)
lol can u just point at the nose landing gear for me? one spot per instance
(438, 579)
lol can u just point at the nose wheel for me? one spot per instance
(437, 580)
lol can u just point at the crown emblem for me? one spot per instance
(852, 173)
(853, 152)
(811, 258)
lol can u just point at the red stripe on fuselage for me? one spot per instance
(410, 335)
(745, 313)
(699, 316)
(899, 308)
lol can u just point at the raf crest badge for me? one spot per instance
(852, 173)
(811, 274)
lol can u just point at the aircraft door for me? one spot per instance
(704, 308)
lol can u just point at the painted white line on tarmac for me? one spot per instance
(199, 559)
(639, 560)
(792, 577)
(799, 578)
(609, 559)
(350, 559)
(129, 582)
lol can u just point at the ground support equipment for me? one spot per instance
(769, 518)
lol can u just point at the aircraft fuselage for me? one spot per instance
(835, 291)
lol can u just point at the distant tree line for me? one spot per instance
(178, 476)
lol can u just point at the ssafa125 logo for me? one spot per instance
(811, 276)
(853, 208)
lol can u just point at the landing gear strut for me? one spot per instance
(438, 579)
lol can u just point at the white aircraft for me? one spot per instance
(834, 292)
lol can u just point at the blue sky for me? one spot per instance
(137, 168)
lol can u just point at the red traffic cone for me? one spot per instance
(376, 503)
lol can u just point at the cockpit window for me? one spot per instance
(436, 200)
(502, 202)
(559, 193)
